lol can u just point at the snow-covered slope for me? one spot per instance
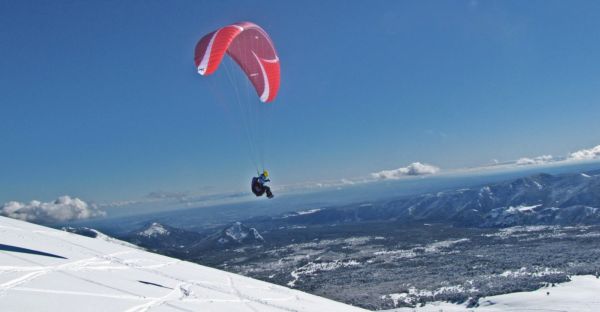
(43, 269)
(578, 295)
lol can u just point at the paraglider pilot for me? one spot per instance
(258, 185)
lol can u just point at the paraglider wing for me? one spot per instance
(250, 47)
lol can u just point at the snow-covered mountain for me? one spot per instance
(43, 269)
(175, 241)
(540, 199)
(232, 236)
(240, 234)
(157, 236)
(155, 229)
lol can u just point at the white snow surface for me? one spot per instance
(578, 295)
(522, 208)
(103, 275)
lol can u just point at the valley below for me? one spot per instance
(458, 245)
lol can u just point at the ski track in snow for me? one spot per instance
(176, 293)
(239, 294)
(75, 293)
(42, 271)
(60, 268)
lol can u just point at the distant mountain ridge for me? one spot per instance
(240, 233)
(234, 235)
(171, 240)
(540, 199)
(157, 236)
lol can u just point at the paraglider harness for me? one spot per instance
(259, 189)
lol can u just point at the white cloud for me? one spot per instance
(581, 155)
(540, 160)
(65, 208)
(414, 169)
(586, 154)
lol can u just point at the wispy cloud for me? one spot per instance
(437, 133)
(63, 209)
(166, 195)
(118, 203)
(414, 169)
(586, 154)
(176, 199)
(160, 196)
(417, 169)
(539, 160)
(580, 155)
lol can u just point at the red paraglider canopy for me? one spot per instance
(250, 47)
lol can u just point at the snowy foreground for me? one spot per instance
(581, 294)
(43, 269)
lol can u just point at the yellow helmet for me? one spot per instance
(266, 173)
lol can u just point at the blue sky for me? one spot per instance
(100, 99)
